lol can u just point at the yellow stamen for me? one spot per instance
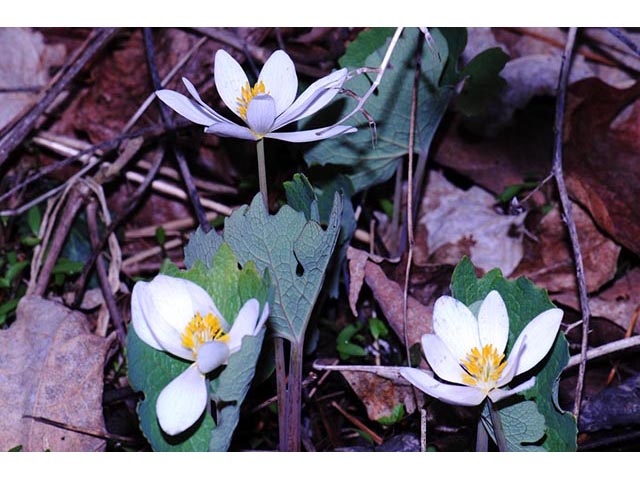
(483, 367)
(246, 95)
(202, 330)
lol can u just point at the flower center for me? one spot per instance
(483, 367)
(202, 330)
(246, 95)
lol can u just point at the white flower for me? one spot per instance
(470, 352)
(266, 107)
(177, 316)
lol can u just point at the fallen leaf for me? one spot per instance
(25, 61)
(618, 303)
(462, 222)
(51, 367)
(602, 145)
(389, 296)
(548, 261)
(380, 395)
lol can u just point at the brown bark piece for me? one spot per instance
(51, 366)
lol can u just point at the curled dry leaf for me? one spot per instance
(619, 303)
(25, 61)
(465, 222)
(548, 260)
(51, 367)
(380, 395)
(389, 296)
(602, 145)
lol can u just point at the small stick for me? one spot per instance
(627, 334)
(84, 431)
(74, 202)
(602, 350)
(150, 252)
(568, 212)
(619, 34)
(374, 436)
(168, 123)
(16, 134)
(170, 227)
(109, 299)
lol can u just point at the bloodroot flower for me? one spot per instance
(266, 106)
(469, 353)
(179, 317)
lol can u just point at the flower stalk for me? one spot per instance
(262, 173)
(497, 427)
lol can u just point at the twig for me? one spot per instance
(568, 212)
(122, 215)
(377, 439)
(619, 34)
(168, 123)
(109, 299)
(84, 431)
(170, 227)
(382, 69)
(627, 334)
(150, 252)
(74, 202)
(16, 135)
(134, 118)
(602, 350)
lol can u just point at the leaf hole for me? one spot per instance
(299, 270)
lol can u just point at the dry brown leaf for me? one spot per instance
(51, 367)
(601, 157)
(548, 262)
(465, 222)
(380, 395)
(389, 296)
(25, 61)
(618, 303)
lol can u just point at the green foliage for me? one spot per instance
(483, 81)
(377, 328)
(524, 301)
(396, 415)
(522, 423)
(390, 106)
(366, 43)
(294, 249)
(151, 370)
(344, 345)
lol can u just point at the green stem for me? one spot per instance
(497, 427)
(262, 173)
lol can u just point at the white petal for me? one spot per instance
(280, 80)
(165, 334)
(315, 97)
(244, 324)
(194, 93)
(229, 78)
(454, 323)
(181, 403)
(493, 321)
(498, 394)
(231, 130)
(512, 362)
(453, 394)
(440, 359)
(539, 336)
(211, 355)
(261, 114)
(186, 107)
(137, 317)
(312, 135)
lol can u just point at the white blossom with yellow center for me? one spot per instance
(468, 352)
(179, 317)
(266, 106)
